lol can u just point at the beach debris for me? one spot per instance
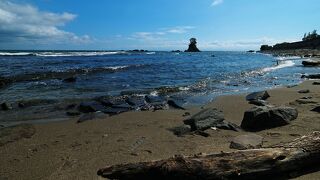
(262, 95)
(207, 118)
(266, 117)
(304, 91)
(281, 161)
(248, 141)
(5, 106)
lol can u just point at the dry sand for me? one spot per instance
(67, 150)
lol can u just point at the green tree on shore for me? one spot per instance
(310, 36)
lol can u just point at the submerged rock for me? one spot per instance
(250, 141)
(260, 118)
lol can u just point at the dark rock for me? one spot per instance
(176, 51)
(37, 102)
(123, 106)
(70, 80)
(259, 102)
(306, 101)
(262, 95)
(87, 107)
(304, 91)
(159, 106)
(73, 113)
(21, 105)
(316, 83)
(110, 101)
(186, 114)
(250, 141)
(201, 133)
(137, 102)
(311, 63)
(307, 97)
(115, 111)
(155, 99)
(71, 106)
(205, 119)
(265, 117)
(311, 76)
(316, 109)
(251, 51)
(175, 104)
(193, 46)
(134, 92)
(5, 106)
(292, 86)
(181, 130)
(228, 126)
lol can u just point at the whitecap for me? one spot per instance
(283, 64)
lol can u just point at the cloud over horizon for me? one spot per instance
(26, 23)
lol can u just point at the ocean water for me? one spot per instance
(196, 77)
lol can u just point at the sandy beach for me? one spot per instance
(67, 150)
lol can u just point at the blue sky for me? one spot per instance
(154, 25)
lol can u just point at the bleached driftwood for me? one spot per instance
(282, 161)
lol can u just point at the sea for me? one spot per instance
(197, 78)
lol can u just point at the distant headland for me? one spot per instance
(309, 46)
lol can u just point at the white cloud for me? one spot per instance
(24, 23)
(179, 29)
(216, 2)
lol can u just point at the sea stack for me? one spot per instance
(193, 46)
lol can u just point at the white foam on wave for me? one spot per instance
(151, 53)
(116, 67)
(184, 88)
(15, 54)
(68, 54)
(283, 64)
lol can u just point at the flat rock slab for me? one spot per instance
(250, 141)
(266, 117)
(262, 95)
(205, 119)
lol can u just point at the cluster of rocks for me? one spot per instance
(115, 105)
(205, 119)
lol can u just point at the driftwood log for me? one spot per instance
(283, 161)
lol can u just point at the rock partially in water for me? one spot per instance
(176, 104)
(266, 117)
(193, 46)
(91, 106)
(5, 106)
(311, 76)
(138, 102)
(70, 79)
(311, 63)
(250, 141)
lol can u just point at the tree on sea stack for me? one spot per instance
(193, 46)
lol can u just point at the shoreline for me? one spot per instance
(138, 136)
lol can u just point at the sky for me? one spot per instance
(153, 24)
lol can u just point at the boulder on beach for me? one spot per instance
(262, 95)
(193, 46)
(249, 141)
(266, 117)
(208, 118)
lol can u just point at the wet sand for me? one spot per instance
(67, 150)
